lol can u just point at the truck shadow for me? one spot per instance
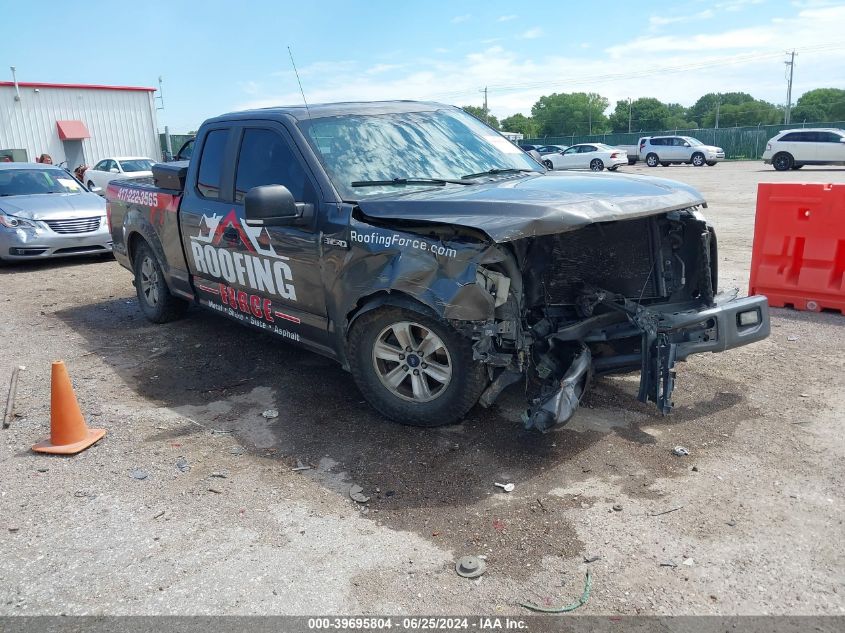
(436, 482)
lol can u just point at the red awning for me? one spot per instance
(72, 130)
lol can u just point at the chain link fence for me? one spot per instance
(739, 143)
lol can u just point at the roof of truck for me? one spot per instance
(319, 110)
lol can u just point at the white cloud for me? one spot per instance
(460, 18)
(506, 18)
(532, 34)
(382, 68)
(657, 21)
(736, 5)
(747, 60)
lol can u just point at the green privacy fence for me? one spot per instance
(176, 141)
(738, 142)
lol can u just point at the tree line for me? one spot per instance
(565, 114)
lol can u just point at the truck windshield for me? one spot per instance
(402, 149)
(25, 182)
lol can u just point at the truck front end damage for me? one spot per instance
(630, 295)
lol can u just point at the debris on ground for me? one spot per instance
(506, 487)
(688, 562)
(470, 566)
(237, 450)
(219, 474)
(138, 473)
(215, 491)
(182, 465)
(300, 466)
(585, 596)
(270, 414)
(160, 514)
(13, 528)
(668, 563)
(791, 339)
(591, 559)
(9, 415)
(356, 493)
(680, 451)
(617, 507)
(731, 523)
(657, 514)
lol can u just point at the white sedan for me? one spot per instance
(100, 175)
(592, 156)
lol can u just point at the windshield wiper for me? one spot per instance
(499, 170)
(407, 181)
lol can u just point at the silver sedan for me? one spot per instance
(45, 212)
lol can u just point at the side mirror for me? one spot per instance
(270, 204)
(842, 139)
(686, 144)
(96, 189)
(114, 170)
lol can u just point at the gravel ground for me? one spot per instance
(749, 523)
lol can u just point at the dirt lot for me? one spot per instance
(759, 503)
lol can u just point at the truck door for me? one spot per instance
(267, 277)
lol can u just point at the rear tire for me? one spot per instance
(710, 163)
(596, 165)
(549, 164)
(783, 161)
(698, 159)
(651, 160)
(665, 164)
(157, 304)
(414, 369)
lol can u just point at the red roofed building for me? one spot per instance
(77, 123)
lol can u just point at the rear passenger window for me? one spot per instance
(266, 159)
(794, 137)
(211, 164)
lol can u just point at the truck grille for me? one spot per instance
(78, 225)
(615, 256)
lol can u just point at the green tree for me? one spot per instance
(819, 105)
(573, 113)
(645, 114)
(679, 118)
(754, 112)
(709, 103)
(482, 114)
(525, 125)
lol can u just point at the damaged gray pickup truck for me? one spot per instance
(431, 257)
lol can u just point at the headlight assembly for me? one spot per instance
(11, 222)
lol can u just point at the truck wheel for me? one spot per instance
(698, 159)
(414, 369)
(596, 165)
(651, 160)
(157, 304)
(783, 161)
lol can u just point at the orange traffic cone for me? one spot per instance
(68, 432)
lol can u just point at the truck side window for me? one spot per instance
(211, 164)
(266, 159)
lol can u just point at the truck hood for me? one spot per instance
(54, 206)
(514, 208)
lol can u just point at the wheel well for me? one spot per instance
(132, 244)
(383, 298)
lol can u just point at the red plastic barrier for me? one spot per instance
(798, 258)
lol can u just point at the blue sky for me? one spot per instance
(219, 56)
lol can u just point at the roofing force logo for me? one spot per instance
(226, 248)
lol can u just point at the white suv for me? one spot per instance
(666, 150)
(792, 149)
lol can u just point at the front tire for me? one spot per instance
(651, 160)
(665, 164)
(797, 167)
(596, 165)
(710, 163)
(414, 369)
(783, 161)
(698, 159)
(157, 303)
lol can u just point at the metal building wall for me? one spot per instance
(121, 122)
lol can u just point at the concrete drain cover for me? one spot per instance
(470, 566)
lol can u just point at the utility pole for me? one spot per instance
(630, 106)
(718, 107)
(788, 111)
(486, 118)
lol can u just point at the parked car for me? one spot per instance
(592, 156)
(438, 268)
(792, 149)
(108, 169)
(527, 147)
(674, 150)
(550, 149)
(45, 212)
(633, 151)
